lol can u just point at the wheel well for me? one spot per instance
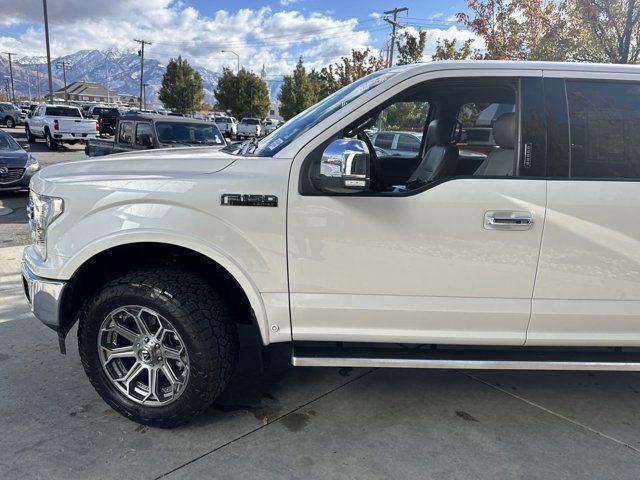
(117, 261)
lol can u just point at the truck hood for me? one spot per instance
(152, 164)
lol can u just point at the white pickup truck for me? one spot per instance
(249, 128)
(228, 126)
(524, 257)
(58, 124)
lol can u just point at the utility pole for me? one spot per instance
(65, 68)
(46, 36)
(13, 92)
(143, 105)
(38, 80)
(141, 54)
(394, 23)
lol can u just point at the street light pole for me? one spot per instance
(46, 35)
(237, 57)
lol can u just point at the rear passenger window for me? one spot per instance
(126, 132)
(604, 127)
(384, 140)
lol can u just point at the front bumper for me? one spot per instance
(44, 297)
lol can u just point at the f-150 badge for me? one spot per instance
(244, 200)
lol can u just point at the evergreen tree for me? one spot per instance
(245, 94)
(181, 88)
(297, 92)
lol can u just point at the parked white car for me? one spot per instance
(249, 128)
(227, 125)
(529, 250)
(59, 124)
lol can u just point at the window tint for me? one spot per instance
(399, 127)
(143, 129)
(384, 140)
(604, 128)
(63, 112)
(409, 143)
(182, 132)
(126, 132)
(477, 121)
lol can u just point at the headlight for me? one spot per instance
(32, 164)
(42, 211)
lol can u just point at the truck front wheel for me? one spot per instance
(158, 345)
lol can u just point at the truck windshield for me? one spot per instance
(62, 112)
(302, 122)
(187, 133)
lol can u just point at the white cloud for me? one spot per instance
(284, 3)
(258, 36)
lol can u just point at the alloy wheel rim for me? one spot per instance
(143, 356)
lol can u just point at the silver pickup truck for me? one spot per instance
(59, 124)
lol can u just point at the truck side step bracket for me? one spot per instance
(455, 358)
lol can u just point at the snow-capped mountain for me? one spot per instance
(115, 69)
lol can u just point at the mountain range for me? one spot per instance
(115, 69)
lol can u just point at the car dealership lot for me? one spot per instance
(312, 423)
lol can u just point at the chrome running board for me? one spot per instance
(604, 359)
(462, 364)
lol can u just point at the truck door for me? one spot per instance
(442, 257)
(588, 286)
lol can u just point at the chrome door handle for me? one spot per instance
(508, 220)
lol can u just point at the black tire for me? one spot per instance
(50, 141)
(196, 312)
(10, 122)
(30, 136)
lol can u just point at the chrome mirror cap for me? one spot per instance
(345, 167)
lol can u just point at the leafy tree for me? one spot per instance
(521, 29)
(181, 88)
(245, 94)
(609, 30)
(448, 50)
(347, 70)
(297, 93)
(411, 48)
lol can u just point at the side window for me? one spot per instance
(477, 120)
(126, 132)
(399, 127)
(143, 130)
(604, 129)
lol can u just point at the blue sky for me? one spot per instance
(273, 33)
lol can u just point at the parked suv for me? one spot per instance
(524, 257)
(10, 115)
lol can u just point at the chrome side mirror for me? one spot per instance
(345, 167)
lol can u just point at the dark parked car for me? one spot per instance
(107, 118)
(17, 165)
(142, 132)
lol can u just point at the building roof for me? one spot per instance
(88, 88)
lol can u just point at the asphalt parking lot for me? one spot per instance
(13, 226)
(285, 422)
